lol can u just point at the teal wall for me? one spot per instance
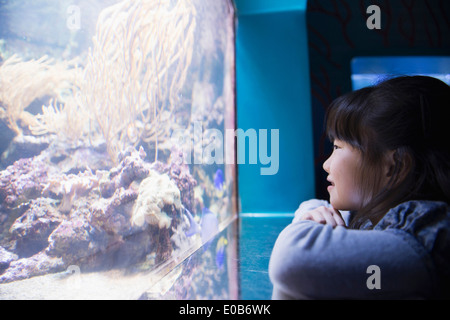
(273, 92)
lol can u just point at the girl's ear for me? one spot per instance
(398, 163)
(390, 163)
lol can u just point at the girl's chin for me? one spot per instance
(335, 203)
(330, 192)
(342, 206)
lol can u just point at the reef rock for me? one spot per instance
(156, 193)
(178, 171)
(22, 181)
(112, 214)
(51, 219)
(75, 241)
(31, 230)
(131, 167)
(6, 258)
(36, 265)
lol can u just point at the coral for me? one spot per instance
(129, 88)
(70, 187)
(65, 117)
(136, 70)
(156, 193)
(22, 82)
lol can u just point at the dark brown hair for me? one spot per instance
(406, 116)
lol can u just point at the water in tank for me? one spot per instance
(367, 71)
(117, 180)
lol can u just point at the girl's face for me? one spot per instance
(342, 167)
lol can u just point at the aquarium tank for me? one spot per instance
(367, 71)
(117, 180)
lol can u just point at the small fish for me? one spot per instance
(194, 228)
(209, 227)
(220, 252)
(218, 180)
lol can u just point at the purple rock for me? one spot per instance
(36, 265)
(31, 230)
(6, 258)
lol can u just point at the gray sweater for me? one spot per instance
(405, 256)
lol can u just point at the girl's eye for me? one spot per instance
(335, 147)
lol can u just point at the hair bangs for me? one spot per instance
(345, 120)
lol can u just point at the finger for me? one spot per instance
(322, 215)
(313, 215)
(338, 218)
(320, 218)
(317, 216)
(329, 218)
(305, 216)
(327, 215)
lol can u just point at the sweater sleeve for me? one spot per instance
(315, 261)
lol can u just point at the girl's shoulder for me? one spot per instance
(427, 221)
(413, 216)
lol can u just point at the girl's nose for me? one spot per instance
(326, 165)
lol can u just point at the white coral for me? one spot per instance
(71, 187)
(155, 193)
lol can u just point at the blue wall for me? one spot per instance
(273, 92)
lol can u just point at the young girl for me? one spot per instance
(385, 233)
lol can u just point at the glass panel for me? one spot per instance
(117, 162)
(367, 71)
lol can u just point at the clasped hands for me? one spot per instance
(324, 215)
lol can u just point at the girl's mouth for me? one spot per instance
(331, 186)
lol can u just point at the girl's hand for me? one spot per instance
(324, 215)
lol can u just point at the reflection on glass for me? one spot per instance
(113, 157)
